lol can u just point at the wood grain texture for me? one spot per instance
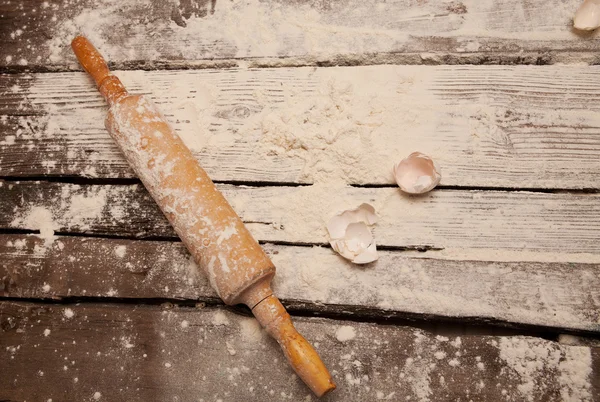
(526, 259)
(578, 340)
(559, 295)
(190, 33)
(481, 224)
(124, 353)
(514, 127)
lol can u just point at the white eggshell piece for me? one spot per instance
(417, 174)
(350, 235)
(358, 237)
(338, 224)
(367, 256)
(587, 17)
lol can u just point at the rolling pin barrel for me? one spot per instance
(235, 264)
(203, 219)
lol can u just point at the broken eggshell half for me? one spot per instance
(350, 235)
(417, 174)
(587, 17)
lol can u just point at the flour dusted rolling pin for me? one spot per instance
(237, 267)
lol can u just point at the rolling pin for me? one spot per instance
(235, 264)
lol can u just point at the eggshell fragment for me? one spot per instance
(417, 174)
(350, 235)
(587, 17)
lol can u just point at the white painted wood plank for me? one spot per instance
(399, 284)
(480, 225)
(154, 32)
(544, 294)
(515, 127)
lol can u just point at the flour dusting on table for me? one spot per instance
(75, 207)
(310, 31)
(530, 358)
(240, 28)
(345, 333)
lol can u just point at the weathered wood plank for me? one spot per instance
(171, 33)
(514, 127)
(124, 353)
(578, 340)
(94, 267)
(561, 295)
(480, 225)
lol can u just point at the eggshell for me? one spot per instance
(350, 235)
(417, 174)
(587, 17)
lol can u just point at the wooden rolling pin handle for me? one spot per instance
(94, 64)
(303, 358)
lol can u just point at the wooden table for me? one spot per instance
(486, 289)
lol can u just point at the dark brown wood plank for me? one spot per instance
(511, 127)
(313, 279)
(478, 225)
(272, 32)
(95, 267)
(125, 353)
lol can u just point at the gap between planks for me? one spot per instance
(438, 325)
(82, 180)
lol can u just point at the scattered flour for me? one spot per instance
(219, 318)
(345, 333)
(126, 342)
(530, 358)
(97, 395)
(68, 313)
(86, 207)
(416, 371)
(242, 28)
(120, 251)
(342, 126)
(37, 218)
(307, 30)
(74, 208)
(576, 374)
(230, 349)
(46, 332)
(251, 330)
